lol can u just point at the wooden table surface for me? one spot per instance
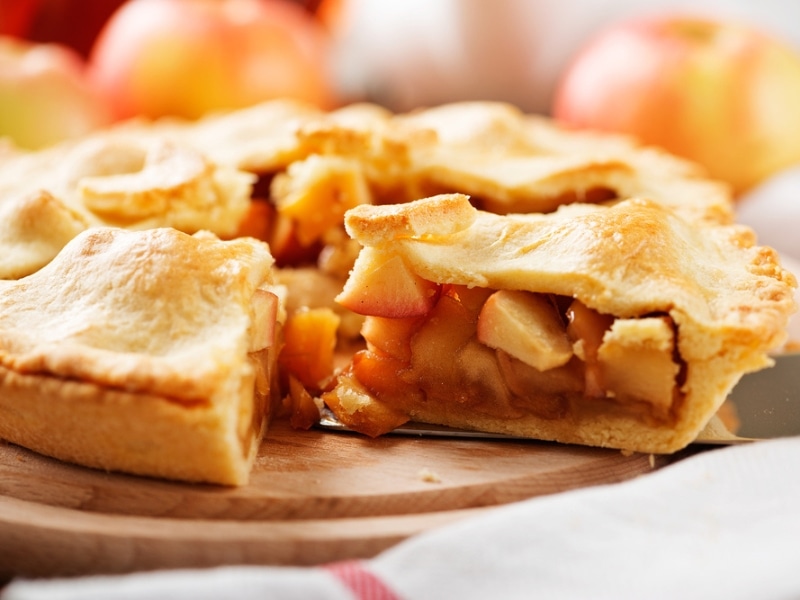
(314, 497)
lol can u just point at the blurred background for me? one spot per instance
(418, 52)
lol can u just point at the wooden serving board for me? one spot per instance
(314, 497)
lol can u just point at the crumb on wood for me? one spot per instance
(429, 476)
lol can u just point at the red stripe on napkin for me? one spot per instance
(363, 584)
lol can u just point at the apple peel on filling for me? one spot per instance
(618, 326)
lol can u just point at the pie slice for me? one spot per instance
(147, 352)
(618, 326)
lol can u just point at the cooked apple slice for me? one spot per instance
(303, 410)
(587, 327)
(309, 342)
(360, 410)
(381, 284)
(264, 305)
(316, 192)
(526, 326)
(391, 336)
(636, 361)
(434, 347)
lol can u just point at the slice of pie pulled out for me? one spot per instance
(618, 326)
(146, 352)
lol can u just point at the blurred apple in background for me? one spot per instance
(409, 53)
(44, 97)
(188, 57)
(16, 16)
(719, 93)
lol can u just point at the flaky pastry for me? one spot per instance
(510, 162)
(110, 180)
(619, 326)
(33, 229)
(146, 352)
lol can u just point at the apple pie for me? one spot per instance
(528, 269)
(619, 326)
(147, 352)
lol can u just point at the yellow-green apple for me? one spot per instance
(382, 285)
(527, 326)
(189, 57)
(44, 97)
(719, 93)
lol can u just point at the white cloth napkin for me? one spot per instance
(721, 524)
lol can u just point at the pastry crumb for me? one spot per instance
(429, 476)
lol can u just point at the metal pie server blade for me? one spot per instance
(767, 403)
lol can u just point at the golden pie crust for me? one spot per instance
(111, 180)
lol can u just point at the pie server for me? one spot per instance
(766, 403)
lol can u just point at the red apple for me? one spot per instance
(719, 93)
(17, 16)
(188, 57)
(44, 97)
(66, 22)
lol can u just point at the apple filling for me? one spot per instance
(501, 355)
